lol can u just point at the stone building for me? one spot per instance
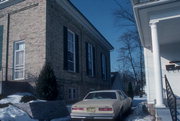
(35, 31)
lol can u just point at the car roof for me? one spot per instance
(104, 91)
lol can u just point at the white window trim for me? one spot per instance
(15, 43)
(74, 56)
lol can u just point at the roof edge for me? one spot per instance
(103, 39)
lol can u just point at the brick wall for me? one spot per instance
(40, 24)
(27, 23)
(57, 17)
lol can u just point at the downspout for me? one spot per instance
(7, 47)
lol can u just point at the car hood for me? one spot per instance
(97, 103)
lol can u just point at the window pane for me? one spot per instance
(70, 36)
(20, 46)
(69, 47)
(70, 56)
(71, 51)
(102, 95)
(70, 66)
(20, 58)
(19, 74)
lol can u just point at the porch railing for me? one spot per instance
(171, 100)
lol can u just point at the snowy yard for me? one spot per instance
(12, 113)
(139, 114)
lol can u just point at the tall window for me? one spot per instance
(71, 51)
(19, 60)
(103, 66)
(90, 59)
(1, 45)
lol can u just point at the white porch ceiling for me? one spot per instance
(168, 29)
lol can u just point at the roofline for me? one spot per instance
(105, 40)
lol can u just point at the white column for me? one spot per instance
(157, 66)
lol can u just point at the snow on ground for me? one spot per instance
(13, 98)
(137, 100)
(140, 98)
(12, 113)
(139, 118)
(140, 114)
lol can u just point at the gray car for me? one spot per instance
(105, 104)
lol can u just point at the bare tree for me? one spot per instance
(131, 50)
(126, 51)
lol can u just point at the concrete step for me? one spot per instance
(163, 114)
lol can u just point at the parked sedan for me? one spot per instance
(106, 104)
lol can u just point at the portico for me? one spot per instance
(158, 25)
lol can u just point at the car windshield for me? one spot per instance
(101, 95)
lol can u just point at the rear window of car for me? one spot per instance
(101, 95)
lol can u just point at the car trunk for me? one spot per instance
(95, 106)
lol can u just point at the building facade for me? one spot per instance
(33, 32)
(158, 25)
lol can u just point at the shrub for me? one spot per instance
(27, 98)
(46, 85)
(130, 91)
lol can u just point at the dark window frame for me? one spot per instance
(71, 51)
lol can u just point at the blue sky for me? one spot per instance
(101, 14)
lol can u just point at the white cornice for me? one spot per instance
(164, 16)
(84, 22)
